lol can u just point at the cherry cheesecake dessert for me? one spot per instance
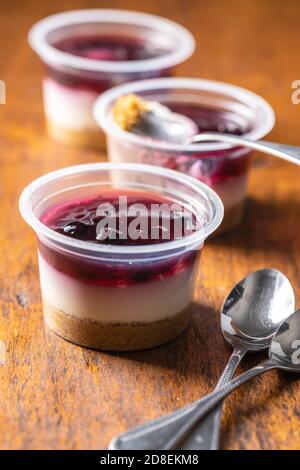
(227, 176)
(118, 249)
(117, 305)
(88, 51)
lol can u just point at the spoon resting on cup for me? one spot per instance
(154, 120)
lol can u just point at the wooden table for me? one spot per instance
(55, 395)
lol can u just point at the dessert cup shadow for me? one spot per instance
(266, 224)
(199, 352)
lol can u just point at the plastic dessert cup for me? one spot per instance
(89, 51)
(214, 106)
(116, 296)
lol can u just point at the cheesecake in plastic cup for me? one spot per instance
(125, 293)
(213, 106)
(89, 51)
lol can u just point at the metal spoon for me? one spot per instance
(249, 317)
(284, 354)
(286, 152)
(152, 119)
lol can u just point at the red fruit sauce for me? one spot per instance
(110, 48)
(78, 219)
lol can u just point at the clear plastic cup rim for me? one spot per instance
(102, 116)
(52, 56)
(216, 212)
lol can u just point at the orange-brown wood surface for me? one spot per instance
(55, 395)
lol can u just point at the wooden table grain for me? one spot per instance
(55, 395)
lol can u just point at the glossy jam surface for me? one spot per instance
(127, 219)
(79, 220)
(110, 48)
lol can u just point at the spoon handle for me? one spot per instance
(286, 152)
(206, 435)
(211, 400)
(167, 432)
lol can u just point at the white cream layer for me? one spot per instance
(67, 108)
(145, 302)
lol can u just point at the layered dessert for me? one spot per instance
(69, 97)
(88, 51)
(118, 304)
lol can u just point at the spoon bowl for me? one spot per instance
(162, 124)
(255, 308)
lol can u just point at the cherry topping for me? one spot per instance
(110, 48)
(79, 219)
(155, 220)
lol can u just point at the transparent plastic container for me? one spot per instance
(112, 296)
(132, 46)
(214, 106)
